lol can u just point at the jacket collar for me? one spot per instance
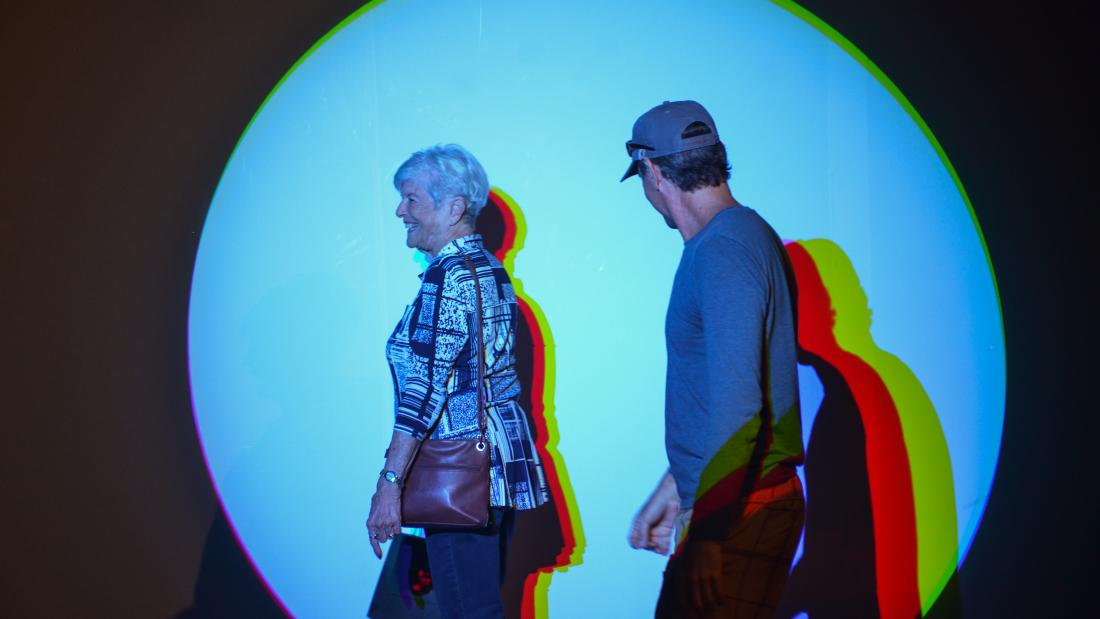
(462, 245)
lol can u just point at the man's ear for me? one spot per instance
(654, 172)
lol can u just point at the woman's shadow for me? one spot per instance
(548, 538)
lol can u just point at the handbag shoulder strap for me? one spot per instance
(481, 421)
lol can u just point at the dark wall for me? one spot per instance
(118, 118)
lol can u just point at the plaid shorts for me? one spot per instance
(756, 558)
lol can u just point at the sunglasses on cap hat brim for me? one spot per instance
(637, 152)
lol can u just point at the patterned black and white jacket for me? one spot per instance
(433, 362)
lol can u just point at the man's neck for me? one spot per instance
(697, 208)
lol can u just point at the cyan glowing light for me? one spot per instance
(302, 270)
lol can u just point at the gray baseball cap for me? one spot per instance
(672, 127)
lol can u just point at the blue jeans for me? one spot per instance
(467, 567)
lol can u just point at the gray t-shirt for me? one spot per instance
(731, 340)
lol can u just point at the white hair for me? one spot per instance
(447, 171)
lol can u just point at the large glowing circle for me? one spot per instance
(302, 271)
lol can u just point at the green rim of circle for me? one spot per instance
(872, 68)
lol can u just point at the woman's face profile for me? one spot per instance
(425, 224)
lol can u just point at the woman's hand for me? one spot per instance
(384, 521)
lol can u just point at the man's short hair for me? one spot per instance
(694, 169)
(447, 171)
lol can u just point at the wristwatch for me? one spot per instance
(392, 477)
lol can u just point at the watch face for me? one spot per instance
(391, 477)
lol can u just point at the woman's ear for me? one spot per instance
(456, 208)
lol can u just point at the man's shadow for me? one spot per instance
(550, 537)
(875, 445)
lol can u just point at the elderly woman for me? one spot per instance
(435, 374)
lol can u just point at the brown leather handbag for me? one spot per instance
(447, 485)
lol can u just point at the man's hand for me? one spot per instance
(653, 524)
(702, 561)
(384, 522)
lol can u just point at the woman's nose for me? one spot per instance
(401, 210)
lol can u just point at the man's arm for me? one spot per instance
(732, 302)
(653, 524)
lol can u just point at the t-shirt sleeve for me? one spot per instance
(438, 331)
(733, 307)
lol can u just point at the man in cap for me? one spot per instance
(733, 435)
